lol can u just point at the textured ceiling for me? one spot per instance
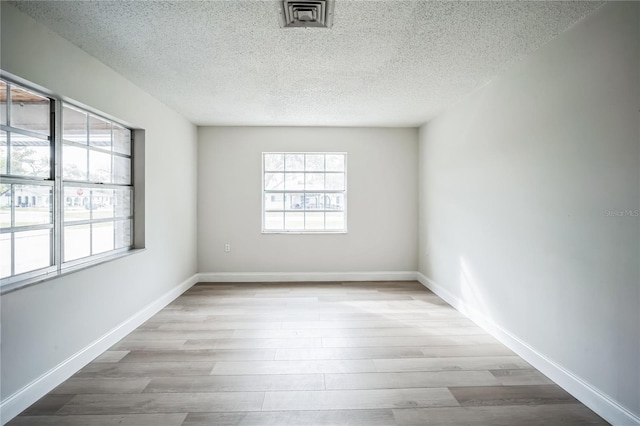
(384, 63)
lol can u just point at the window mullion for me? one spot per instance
(58, 190)
(13, 234)
(8, 157)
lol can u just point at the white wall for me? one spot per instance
(382, 201)
(515, 182)
(45, 324)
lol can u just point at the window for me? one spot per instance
(66, 195)
(98, 192)
(304, 192)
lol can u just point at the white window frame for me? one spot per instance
(55, 179)
(284, 211)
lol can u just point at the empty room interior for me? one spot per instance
(320, 213)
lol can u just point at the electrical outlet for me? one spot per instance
(227, 248)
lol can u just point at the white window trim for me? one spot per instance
(305, 231)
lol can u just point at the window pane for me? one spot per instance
(32, 250)
(99, 167)
(29, 156)
(5, 205)
(314, 220)
(294, 181)
(294, 162)
(121, 170)
(124, 236)
(3, 153)
(273, 201)
(273, 181)
(101, 204)
(314, 202)
(33, 204)
(335, 221)
(314, 162)
(5, 255)
(335, 163)
(74, 163)
(121, 139)
(294, 202)
(99, 133)
(77, 242)
(273, 221)
(76, 204)
(3, 102)
(29, 111)
(334, 202)
(274, 162)
(74, 125)
(314, 181)
(102, 237)
(335, 181)
(123, 202)
(294, 221)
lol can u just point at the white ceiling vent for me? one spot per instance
(306, 13)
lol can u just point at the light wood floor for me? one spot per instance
(308, 354)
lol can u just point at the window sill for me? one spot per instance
(303, 232)
(28, 282)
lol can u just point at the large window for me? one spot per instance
(304, 192)
(66, 189)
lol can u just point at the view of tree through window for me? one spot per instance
(304, 192)
(93, 207)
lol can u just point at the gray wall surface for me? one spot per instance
(44, 324)
(529, 198)
(382, 201)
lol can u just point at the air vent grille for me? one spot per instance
(306, 13)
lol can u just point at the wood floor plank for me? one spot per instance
(252, 343)
(358, 399)
(511, 395)
(341, 324)
(521, 377)
(452, 364)
(482, 350)
(129, 344)
(224, 328)
(111, 356)
(421, 379)
(229, 368)
(290, 382)
(176, 334)
(407, 330)
(382, 417)
(79, 385)
(363, 342)
(169, 419)
(47, 405)
(521, 415)
(144, 369)
(347, 353)
(150, 403)
(199, 355)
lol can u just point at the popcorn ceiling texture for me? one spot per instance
(384, 63)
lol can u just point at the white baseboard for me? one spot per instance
(269, 277)
(22, 399)
(600, 403)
